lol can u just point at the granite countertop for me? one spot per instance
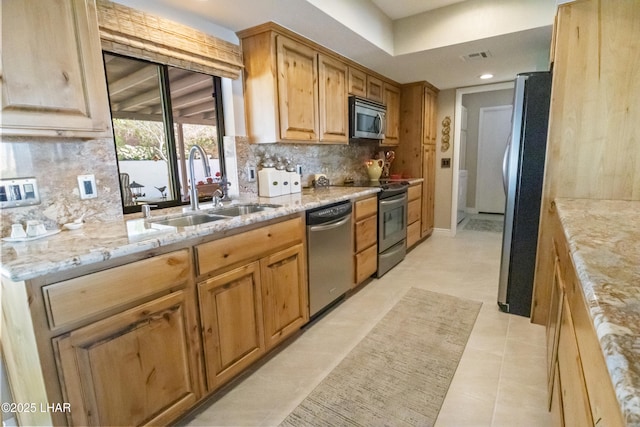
(100, 241)
(604, 241)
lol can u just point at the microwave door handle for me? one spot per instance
(378, 123)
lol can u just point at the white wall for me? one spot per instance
(469, 21)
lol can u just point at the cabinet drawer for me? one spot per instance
(414, 192)
(366, 233)
(413, 233)
(366, 264)
(253, 244)
(413, 211)
(80, 298)
(365, 208)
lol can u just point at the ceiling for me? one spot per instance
(393, 37)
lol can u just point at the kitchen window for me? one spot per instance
(159, 112)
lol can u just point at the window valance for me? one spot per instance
(135, 33)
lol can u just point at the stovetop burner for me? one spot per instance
(389, 187)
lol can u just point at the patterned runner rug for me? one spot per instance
(492, 225)
(398, 375)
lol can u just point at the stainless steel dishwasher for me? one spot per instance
(330, 258)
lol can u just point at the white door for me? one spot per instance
(493, 134)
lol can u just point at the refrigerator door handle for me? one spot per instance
(505, 166)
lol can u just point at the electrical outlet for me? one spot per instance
(251, 173)
(445, 163)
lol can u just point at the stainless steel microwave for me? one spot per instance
(367, 119)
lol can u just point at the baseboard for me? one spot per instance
(442, 231)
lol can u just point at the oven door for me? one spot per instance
(392, 221)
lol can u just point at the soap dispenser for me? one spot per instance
(294, 178)
(269, 179)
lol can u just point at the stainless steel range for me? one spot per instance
(392, 221)
(392, 226)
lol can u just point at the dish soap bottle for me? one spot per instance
(268, 179)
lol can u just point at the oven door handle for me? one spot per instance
(394, 201)
(331, 225)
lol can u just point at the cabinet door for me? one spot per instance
(366, 264)
(392, 101)
(357, 82)
(137, 367)
(575, 400)
(53, 85)
(375, 90)
(334, 124)
(284, 294)
(231, 316)
(366, 233)
(553, 325)
(428, 188)
(297, 90)
(430, 130)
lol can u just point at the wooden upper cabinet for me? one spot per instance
(53, 86)
(357, 82)
(333, 102)
(392, 101)
(297, 90)
(375, 89)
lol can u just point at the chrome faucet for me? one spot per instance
(193, 194)
(218, 196)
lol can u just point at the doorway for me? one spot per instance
(493, 135)
(457, 143)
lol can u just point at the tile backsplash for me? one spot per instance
(337, 162)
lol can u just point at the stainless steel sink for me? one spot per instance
(188, 220)
(244, 209)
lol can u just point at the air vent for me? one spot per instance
(476, 56)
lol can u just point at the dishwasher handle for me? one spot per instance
(331, 225)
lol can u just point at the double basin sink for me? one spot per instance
(202, 217)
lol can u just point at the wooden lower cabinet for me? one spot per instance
(414, 214)
(284, 294)
(120, 341)
(575, 401)
(136, 367)
(580, 389)
(256, 298)
(231, 317)
(365, 239)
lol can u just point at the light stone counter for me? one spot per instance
(100, 241)
(604, 241)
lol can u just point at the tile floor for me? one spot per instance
(501, 378)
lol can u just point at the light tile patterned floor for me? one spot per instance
(501, 379)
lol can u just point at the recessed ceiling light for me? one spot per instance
(486, 76)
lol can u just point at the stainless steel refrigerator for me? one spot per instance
(523, 173)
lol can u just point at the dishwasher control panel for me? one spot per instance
(328, 213)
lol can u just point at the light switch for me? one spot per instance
(87, 186)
